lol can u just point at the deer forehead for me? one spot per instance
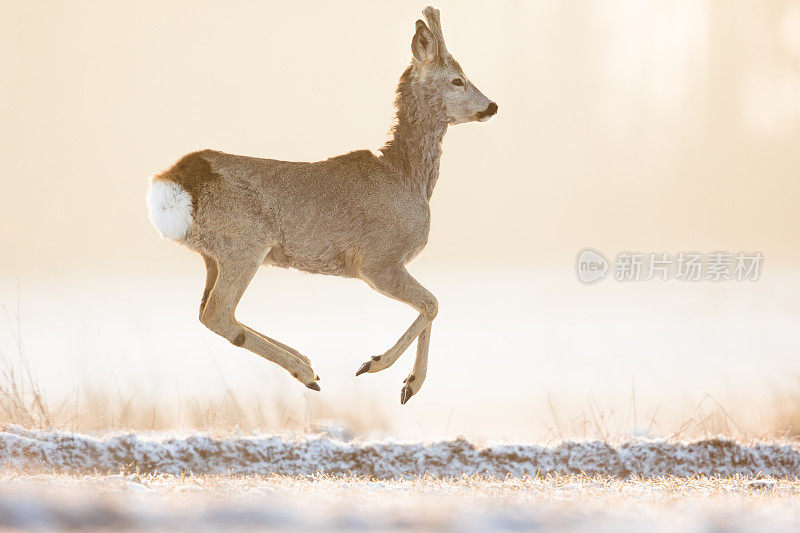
(448, 67)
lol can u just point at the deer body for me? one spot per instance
(329, 217)
(356, 215)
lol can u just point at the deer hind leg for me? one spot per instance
(218, 315)
(211, 278)
(397, 283)
(289, 349)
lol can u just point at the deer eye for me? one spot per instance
(458, 83)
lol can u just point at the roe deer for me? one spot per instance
(357, 215)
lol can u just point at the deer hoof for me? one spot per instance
(313, 386)
(364, 368)
(405, 394)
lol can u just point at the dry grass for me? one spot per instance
(23, 402)
(709, 417)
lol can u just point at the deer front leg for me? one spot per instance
(397, 283)
(416, 378)
(232, 279)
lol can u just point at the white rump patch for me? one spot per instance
(170, 209)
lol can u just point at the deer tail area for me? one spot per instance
(170, 209)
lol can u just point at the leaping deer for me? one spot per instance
(356, 215)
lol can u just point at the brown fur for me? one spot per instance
(357, 215)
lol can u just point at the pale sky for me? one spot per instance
(667, 128)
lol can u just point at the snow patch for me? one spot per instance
(63, 452)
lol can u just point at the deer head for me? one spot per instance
(434, 69)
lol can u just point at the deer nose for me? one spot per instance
(491, 110)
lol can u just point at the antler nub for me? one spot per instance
(435, 24)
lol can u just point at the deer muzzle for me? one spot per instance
(487, 113)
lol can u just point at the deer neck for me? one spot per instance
(415, 146)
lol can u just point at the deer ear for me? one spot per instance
(423, 45)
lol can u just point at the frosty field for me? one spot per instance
(60, 480)
(551, 503)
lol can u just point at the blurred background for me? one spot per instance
(658, 126)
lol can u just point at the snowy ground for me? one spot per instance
(57, 480)
(62, 452)
(285, 503)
